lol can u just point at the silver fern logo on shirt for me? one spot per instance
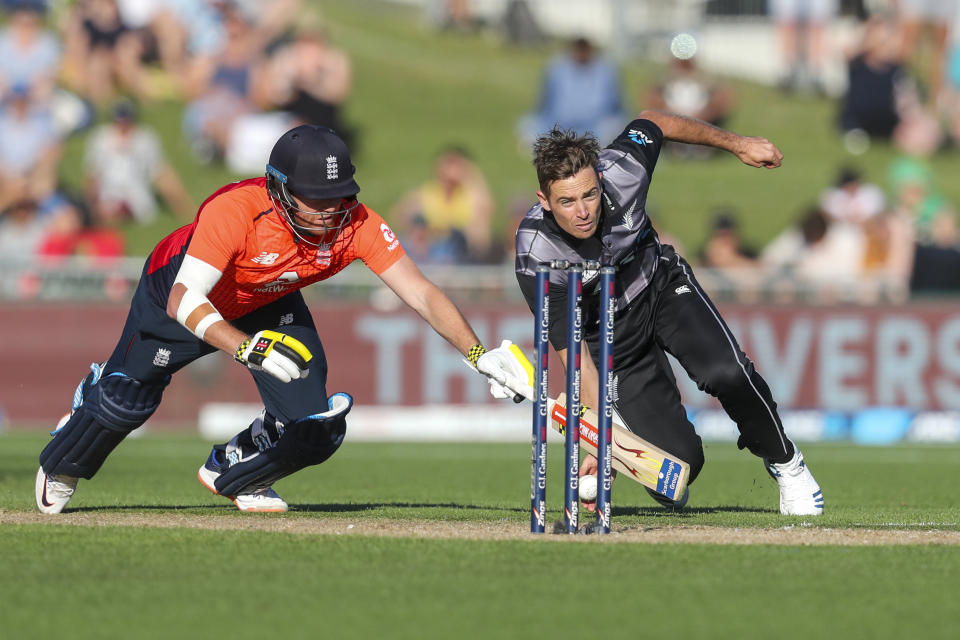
(628, 216)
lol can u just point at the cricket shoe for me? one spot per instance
(54, 491)
(666, 502)
(261, 500)
(800, 495)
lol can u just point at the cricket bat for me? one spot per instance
(649, 465)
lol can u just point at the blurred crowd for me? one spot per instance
(247, 70)
(852, 240)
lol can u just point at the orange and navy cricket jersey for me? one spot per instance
(238, 231)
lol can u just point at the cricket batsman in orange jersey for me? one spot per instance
(230, 280)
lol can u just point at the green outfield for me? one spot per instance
(165, 558)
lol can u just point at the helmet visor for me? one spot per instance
(314, 221)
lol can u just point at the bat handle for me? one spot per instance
(518, 398)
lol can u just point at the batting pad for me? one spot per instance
(303, 443)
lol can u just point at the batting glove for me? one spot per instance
(282, 356)
(508, 371)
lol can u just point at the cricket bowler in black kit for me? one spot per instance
(592, 208)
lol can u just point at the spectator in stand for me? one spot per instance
(457, 15)
(858, 208)
(22, 230)
(581, 91)
(689, 92)
(820, 260)
(724, 247)
(727, 256)
(887, 258)
(456, 208)
(915, 194)
(30, 148)
(224, 84)
(802, 31)
(880, 94)
(933, 17)
(29, 52)
(103, 55)
(311, 79)
(950, 103)
(72, 231)
(124, 165)
(851, 199)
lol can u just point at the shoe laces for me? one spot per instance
(265, 492)
(62, 486)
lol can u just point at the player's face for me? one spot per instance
(320, 217)
(575, 202)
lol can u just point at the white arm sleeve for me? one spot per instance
(198, 277)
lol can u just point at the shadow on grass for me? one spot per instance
(370, 506)
(303, 508)
(150, 507)
(336, 507)
(686, 513)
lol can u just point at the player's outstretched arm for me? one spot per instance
(433, 305)
(752, 151)
(406, 280)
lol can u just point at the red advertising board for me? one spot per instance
(833, 358)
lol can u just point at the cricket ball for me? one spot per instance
(588, 488)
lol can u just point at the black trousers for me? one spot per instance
(154, 346)
(675, 316)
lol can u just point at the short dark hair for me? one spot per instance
(560, 154)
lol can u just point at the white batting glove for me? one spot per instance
(282, 356)
(508, 371)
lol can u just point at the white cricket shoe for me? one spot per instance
(666, 502)
(800, 495)
(54, 492)
(263, 500)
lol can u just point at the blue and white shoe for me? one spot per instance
(263, 500)
(800, 495)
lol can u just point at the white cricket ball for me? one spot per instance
(588, 488)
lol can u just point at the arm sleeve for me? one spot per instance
(199, 278)
(642, 140)
(377, 244)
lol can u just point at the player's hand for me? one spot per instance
(282, 356)
(758, 152)
(508, 371)
(589, 467)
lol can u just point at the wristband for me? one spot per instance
(238, 355)
(474, 353)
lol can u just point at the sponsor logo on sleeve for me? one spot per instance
(639, 137)
(389, 236)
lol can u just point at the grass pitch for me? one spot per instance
(134, 581)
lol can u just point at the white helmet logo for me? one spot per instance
(332, 169)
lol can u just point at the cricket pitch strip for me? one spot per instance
(800, 533)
